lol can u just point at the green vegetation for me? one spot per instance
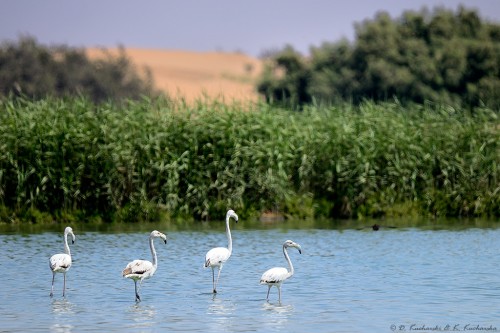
(70, 159)
(30, 69)
(442, 56)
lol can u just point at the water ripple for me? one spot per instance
(349, 281)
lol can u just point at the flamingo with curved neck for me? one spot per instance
(216, 257)
(139, 270)
(61, 262)
(277, 275)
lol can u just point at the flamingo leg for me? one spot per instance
(213, 281)
(137, 297)
(279, 294)
(64, 284)
(268, 290)
(52, 289)
(217, 282)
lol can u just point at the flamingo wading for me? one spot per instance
(61, 262)
(139, 270)
(217, 256)
(277, 275)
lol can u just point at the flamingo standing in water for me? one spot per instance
(277, 275)
(61, 262)
(139, 270)
(217, 256)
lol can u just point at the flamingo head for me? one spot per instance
(290, 243)
(69, 231)
(157, 234)
(231, 213)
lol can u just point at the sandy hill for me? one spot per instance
(195, 74)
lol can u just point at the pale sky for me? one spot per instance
(251, 27)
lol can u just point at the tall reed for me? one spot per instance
(145, 159)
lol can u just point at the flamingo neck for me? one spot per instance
(66, 246)
(229, 239)
(153, 251)
(287, 257)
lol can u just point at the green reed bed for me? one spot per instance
(70, 158)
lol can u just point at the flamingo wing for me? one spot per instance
(274, 275)
(138, 268)
(60, 262)
(216, 256)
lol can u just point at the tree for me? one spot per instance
(285, 78)
(36, 71)
(440, 55)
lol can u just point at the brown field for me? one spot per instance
(192, 75)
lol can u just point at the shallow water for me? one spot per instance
(404, 279)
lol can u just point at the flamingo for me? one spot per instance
(217, 256)
(61, 262)
(139, 270)
(277, 275)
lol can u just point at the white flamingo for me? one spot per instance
(61, 263)
(139, 270)
(277, 275)
(217, 256)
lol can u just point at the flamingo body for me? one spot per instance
(274, 276)
(139, 270)
(277, 275)
(216, 257)
(61, 262)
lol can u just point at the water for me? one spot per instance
(405, 279)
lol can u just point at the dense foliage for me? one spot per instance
(441, 56)
(149, 159)
(36, 71)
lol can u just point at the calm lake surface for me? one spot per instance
(346, 280)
